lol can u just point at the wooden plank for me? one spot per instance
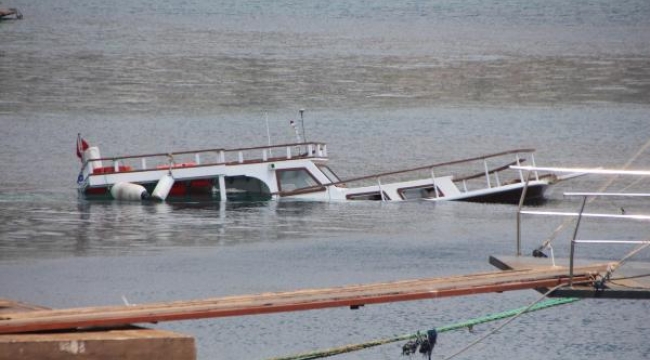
(8, 306)
(353, 295)
(125, 344)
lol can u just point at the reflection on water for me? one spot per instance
(34, 229)
(93, 227)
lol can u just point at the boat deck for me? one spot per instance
(630, 281)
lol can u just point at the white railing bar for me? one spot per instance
(114, 158)
(606, 194)
(598, 171)
(532, 159)
(613, 241)
(560, 213)
(487, 173)
(381, 191)
(435, 187)
(521, 173)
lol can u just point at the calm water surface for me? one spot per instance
(387, 85)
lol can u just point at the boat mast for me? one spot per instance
(268, 130)
(302, 122)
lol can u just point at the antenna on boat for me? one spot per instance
(302, 122)
(268, 130)
(295, 129)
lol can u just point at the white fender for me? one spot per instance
(163, 187)
(129, 192)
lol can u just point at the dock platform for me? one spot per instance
(630, 281)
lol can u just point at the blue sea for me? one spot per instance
(387, 85)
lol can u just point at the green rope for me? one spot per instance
(461, 325)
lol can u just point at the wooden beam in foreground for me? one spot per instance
(353, 295)
(123, 343)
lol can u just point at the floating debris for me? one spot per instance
(11, 13)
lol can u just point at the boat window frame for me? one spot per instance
(400, 191)
(278, 173)
(367, 193)
(235, 191)
(327, 171)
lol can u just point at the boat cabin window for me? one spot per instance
(375, 195)
(294, 179)
(329, 173)
(421, 192)
(245, 188)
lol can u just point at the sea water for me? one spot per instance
(387, 85)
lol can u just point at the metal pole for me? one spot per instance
(302, 122)
(487, 173)
(268, 133)
(521, 172)
(435, 187)
(521, 204)
(573, 241)
(532, 159)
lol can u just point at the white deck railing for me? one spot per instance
(207, 157)
(483, 172)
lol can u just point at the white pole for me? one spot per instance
(295, 129)
(302, 121)
(223, 197)
(268, 132)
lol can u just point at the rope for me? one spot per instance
(504, 323)
(461, 325)
(620, 263)
(632, 253)
(615, 281)
(607, 184)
